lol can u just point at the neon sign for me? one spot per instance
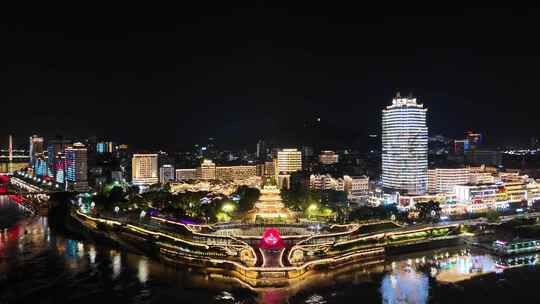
(271, 239)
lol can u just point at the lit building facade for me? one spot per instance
(328, 158)
(186, 174)
(482, 197)
(144, 169)
(270, 168)
(235, 172)
(326, 182)
(166, 174)
(405, 146)
(55, 152)
(105, 147)
(207, 170)
(289, 161)
(357, 187)
(35, 147)
(76, 167)
(443, 180)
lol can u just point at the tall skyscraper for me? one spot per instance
(55, 151)
(404, 146)
(76, 167)
(144, 169)
(261, 149)
(289, 160)
(35, 147)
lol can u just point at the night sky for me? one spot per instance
(239, 74)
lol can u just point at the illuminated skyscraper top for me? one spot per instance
(405, 146)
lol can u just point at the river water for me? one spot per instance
(43, 264)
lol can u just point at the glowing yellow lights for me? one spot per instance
(228, 208)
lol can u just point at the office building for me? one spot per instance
(186, 174)
(105, 147)
(261, 149)
(357, 187)
(35, 147)
(326, 182)
(166, 174)
(55, 150)
(270, 168)
(289, 161)
(328, 158)
(76, 167)
(443, 180)
(236, 172)
(404, 146)
(144, 169)
(207, 170)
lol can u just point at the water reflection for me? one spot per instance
(142, 273)
(116, 263)
(405, 285)
(34, 257)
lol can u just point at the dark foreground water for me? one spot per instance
(40, 264)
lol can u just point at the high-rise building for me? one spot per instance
(76, 167)
(166, 173)
(144, 169)
(261, 149)
(35, 147)
(55, 152)
(105, 147)
(270, 168)
(328, 158)
(288, 161)
(404, 146)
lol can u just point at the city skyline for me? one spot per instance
(266, 152)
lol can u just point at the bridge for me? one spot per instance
(29, 196)
(22, 187)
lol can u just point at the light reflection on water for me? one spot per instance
(49, 261)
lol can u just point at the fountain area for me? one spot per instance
(270, 248)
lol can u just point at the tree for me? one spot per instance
(116, 194)
(492, 216)
(334, 196)
(429, 211)
(248, 197)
